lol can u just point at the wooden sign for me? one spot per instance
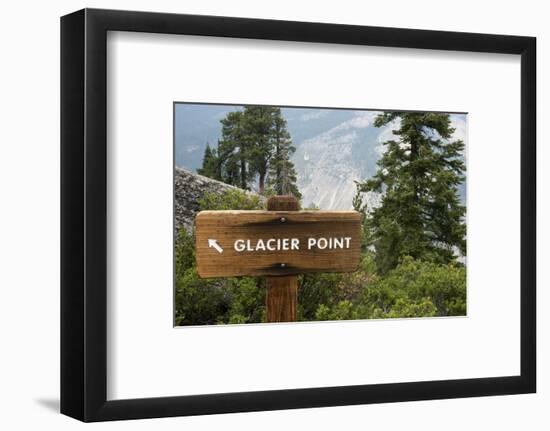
(275, 243)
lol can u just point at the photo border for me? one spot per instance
(84, 214)
(175, 103)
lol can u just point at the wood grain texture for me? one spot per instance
(283, 203)
(228, 226)
(281, 298)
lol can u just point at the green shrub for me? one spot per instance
(416, 282)
(232, 199)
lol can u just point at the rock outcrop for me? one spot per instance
(189, 188)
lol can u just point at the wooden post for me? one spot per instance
(282, 291)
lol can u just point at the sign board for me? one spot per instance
(271, 243)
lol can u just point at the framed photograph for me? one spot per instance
(261, 215)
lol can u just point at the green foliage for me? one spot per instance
(406, 308)
(197, 301)
(343, 310)
(420, 214)
(246, 299)
(211, 166)
(316, 290)
(361, 207)
(184, 252)
(259, 126)
(328, 291)
(213, 301)
(282, 174)
(413, 289)
(231, 200)
(255, 144)
(357, 202)
(418, 288)
(233, 151)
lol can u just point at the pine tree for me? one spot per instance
(210, 164)
(282, 174)
(420, 214)
(233, 150)
(259, 127)
(256, 144)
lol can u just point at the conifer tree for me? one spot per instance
(256, 145)
(420, 214)
(233, 150)
(282, 174)
(210, 164)
(259, 128)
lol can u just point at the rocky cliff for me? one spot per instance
(189, 188)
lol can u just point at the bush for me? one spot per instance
(232, 199)
(211, 301)
(406, 290)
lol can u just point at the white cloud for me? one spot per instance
(362, 120)
(314, 115)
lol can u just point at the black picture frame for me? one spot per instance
(84, 214)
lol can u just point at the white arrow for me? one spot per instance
(214, 243)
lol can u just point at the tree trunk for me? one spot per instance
(413, 157)
(261, 184)
(243, 173)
